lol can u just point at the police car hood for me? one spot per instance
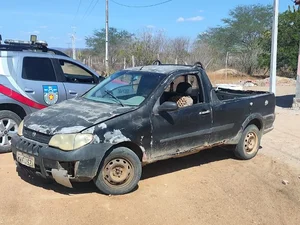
(73, 116)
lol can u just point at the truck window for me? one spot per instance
(76, 74)
(39, 69)
(172, 91)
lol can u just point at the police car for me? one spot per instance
(32, 77)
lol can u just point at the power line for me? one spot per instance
(77, 11)
(140, 6)
(87, 12)
(87, 9)
(93, 8)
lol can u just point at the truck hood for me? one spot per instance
(72, 116)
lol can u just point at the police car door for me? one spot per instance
(39, 80)
(77, 79)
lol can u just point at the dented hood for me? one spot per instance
(72, 116)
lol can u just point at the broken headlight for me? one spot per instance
(20, 128)
(69, 142)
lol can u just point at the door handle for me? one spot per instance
(204, 112)
(72, 92)
(28, 90)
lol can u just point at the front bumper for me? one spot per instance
(80, 165)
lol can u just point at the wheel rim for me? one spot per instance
(7, 128)
(251, 142)
(118, 172)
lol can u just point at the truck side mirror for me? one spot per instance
(168, 106)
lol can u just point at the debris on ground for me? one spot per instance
(230, 86)
(281, 81)
(285, 182)
(250, 83)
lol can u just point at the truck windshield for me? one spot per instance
(129, 88)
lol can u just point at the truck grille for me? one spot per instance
(28, 147)
(36, 136)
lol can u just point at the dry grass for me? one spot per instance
(232, 76)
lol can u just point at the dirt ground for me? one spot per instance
(211, 187)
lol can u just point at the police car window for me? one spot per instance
(40, 69)
(75, 74)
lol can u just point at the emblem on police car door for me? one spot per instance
(50, 94)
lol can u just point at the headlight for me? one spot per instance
(69, 142)
(20, 128)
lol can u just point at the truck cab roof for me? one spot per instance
(158, 67)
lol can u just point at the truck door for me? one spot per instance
(76, 79)
(39, 81)
(183, 129)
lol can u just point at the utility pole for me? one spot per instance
(296, 104)
(73, 46)
(273, 65)
(73, 43)
(106, 39)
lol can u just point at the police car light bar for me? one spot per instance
(10, 41)
(33, 41)
(32, 45)
(18, 42)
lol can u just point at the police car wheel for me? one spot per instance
(9, 122)
(119, 172)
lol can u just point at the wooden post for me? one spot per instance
(226, 65)
(133, 61)
(124, 62)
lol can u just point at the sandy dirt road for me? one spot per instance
(211, 187)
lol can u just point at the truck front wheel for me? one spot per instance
(249, 144)
(119, 172)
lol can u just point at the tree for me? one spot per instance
(288, 43)
(147, 46)
(241, 34)
(119, 43)
(179, 49)
(205, 53)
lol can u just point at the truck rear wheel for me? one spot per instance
(249, 144)
(9, 122)
(119, 172)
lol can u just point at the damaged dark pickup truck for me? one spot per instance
(156, 112)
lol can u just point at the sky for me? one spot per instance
(54, 21)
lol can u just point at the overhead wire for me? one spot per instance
(80, 1)
(140, 6)
(93, 8)
(88, 12)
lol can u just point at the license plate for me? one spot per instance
(25, 159)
